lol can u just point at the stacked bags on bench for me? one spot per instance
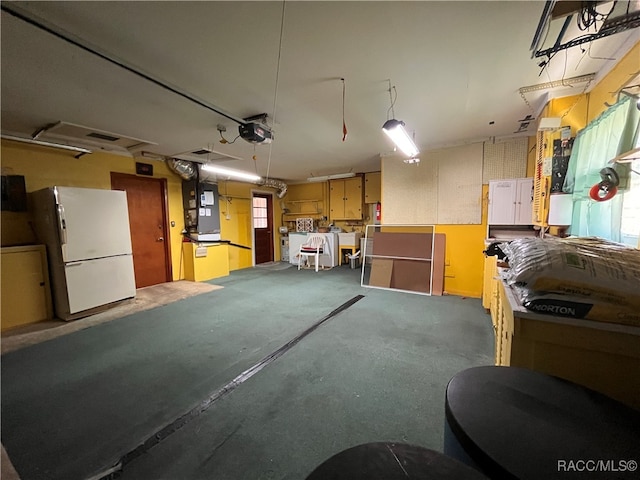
(587, 278)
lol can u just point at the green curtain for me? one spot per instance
(607, 136)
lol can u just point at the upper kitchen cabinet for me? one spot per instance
(372, 187)
(511, 201)
(345, 199)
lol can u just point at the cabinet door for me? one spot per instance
(372, 187)
(345, 198)
(524, 207)
(489, 273)
(336, 199)
(353, 198)
(24, 289)
(502, 202)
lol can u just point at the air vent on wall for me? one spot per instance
(91, 136)
(205, 155)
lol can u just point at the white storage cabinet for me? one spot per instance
(511, 201)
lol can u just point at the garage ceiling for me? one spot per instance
(457, 68)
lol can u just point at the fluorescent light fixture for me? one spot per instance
(549, 124)
(231, 173)
(396, 132)
(335, 176)
(46, 144)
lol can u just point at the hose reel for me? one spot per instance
(608, 186)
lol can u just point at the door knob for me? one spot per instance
(160, 239)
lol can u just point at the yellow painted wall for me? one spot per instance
(235, 221)
(44, 167)
(606, 90)
(464, 262)
(578, 110)
(200, 269)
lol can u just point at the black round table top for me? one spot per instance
(391, 461)
(517, 423)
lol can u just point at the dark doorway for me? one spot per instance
(263, 227)
(147, 201)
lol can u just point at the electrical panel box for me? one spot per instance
(560, 163)
(14, 193)
(201, 210)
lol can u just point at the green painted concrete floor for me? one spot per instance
(74, 405)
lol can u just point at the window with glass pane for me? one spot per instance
(259, 212)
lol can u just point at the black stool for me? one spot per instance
(392, 461)
(516, 423)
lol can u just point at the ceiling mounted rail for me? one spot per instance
(632, 21)
(58, 32)
(614, 21)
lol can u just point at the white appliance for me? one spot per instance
(328, 259)
(560, 209)
(284, 249)
(88, 241)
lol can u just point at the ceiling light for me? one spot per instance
(231, 173)
(335, 176)
(46, 144)
(396, 132)
(411, 160)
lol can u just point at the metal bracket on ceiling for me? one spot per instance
(553, 9)
(617, 26)
(261, 116)
(544, 21)
(42, 130)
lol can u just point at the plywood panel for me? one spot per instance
(460, 184)
(413, 245)
(381, 271)
(409, 192)
(412, 275)
(437, 282)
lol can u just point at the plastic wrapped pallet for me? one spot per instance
(578, 307)
(591, 268)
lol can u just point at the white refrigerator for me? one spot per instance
(88, 241)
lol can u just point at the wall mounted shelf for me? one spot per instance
(627, 157)
(296, 208)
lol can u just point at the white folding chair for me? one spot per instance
(313, 247)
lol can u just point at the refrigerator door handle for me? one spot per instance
(62, 225)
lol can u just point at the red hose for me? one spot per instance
(597, 189)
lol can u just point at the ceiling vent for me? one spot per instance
(93, 137)
(205, 155)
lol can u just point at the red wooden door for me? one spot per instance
(146, 198)
(263, 227)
